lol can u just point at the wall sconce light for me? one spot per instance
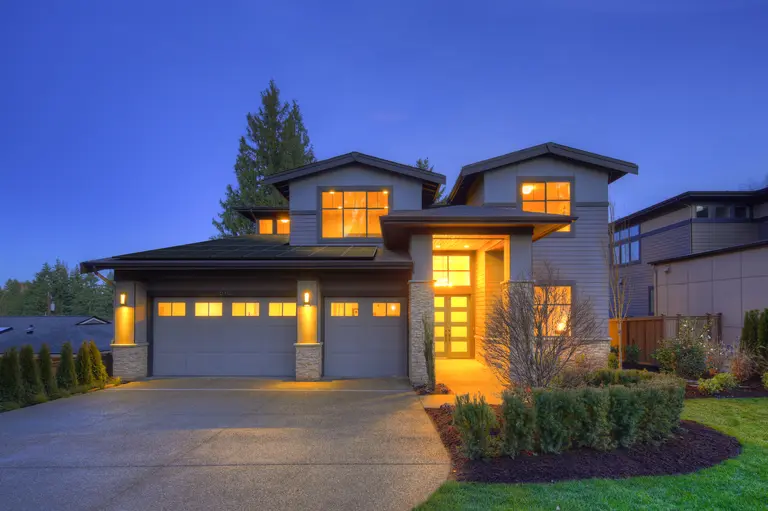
(306, 298)
(284, 220)
(123, 298)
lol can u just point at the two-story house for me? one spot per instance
(339, 284)
(692, 223)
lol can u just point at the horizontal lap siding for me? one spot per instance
(715, 235)
(303, 229)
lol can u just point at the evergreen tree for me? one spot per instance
(30, 373)
(762, 332)
(84, 365)
(66, 374)
(424, 164)
(47, 375)
(276, 140)
(11, 387)
(12, 298)
(98, 368)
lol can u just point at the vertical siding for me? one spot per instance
(581, 258)
(715, 235)
(303, 229)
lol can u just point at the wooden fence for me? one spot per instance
(646, 332)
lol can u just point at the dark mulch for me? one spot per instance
(693, 447)
(440, 388)
(752, 388)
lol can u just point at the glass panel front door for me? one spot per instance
(452, 328)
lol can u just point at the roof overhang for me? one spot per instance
(170, 264)
(615, 168)
(256, 213)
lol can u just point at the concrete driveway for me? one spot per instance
(223, 444)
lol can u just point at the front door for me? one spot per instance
(452, 328)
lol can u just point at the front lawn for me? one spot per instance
(738, 483)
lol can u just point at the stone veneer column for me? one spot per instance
(309, 351)
(421, 306)
(309, 361)
(130, 347)
(129, 361)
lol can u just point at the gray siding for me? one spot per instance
(715, 235)
(639, 278)
(673, 217)
(303, 228)
(476, 193)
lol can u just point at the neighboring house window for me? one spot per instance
(285, 309)
(245, 309)
(721, 211)
(171, 309)
(450, 270)
(345, 309)
(353, 214)
(626, 245)
(267, 226)
(557, 300)
(651, 301)
(381, 309)
(208, 309)
(701, 211)
(550, 197)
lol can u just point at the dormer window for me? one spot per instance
(353, 213)
(547, 197)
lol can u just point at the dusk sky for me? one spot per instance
(119, 120)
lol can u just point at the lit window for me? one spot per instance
(344, 309)
(353, 214)
(552, 305)
(266, 226)
(171, 309)
(208, 309)
(381, 309)
(549, 197)
(243, 309)
(451, 270)
(285, 309)
(283, 226)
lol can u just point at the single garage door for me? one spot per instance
(365, 337)
(224, 337)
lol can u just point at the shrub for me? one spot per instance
(47, 377)
(557, 416)
(605, 377)
(518, 421)
(84, 365)
(613, 361)
(66, 374)
(11, 386)
(762, 330)
(662, 403)
(98, 369)
(684, 355)
(718, 383)
(632, 354)
(765, 380)
(742, 366)
(594, 430)
(749, 330)
(624, 414)
(474, 419)
(30, 373)
(7, 406)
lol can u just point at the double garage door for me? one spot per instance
(224, 337)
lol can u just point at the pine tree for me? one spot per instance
(66, 374)
(762, 332)
(30, 373)
(84, 365)
(276, 140)
(98, 368)
(47, 375)
(11, 387)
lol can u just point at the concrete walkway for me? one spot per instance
(463, 376)
(223, 444)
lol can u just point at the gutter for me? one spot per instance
(92, 266)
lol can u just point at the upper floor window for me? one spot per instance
(701, 212)
(274, 226)
(353, 214)
(547, 197)
(721, 211)
(626, 245)
(450, 270)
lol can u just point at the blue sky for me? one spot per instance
(119, 121)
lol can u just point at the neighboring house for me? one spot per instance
(16, 331)
(338, 284)
(687, 224)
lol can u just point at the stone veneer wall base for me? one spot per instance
(309, 361)
(129, 361)
(421, 305)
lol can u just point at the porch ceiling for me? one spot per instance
(466, 242)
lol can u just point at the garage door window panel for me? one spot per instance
(245, 309)
(282, 309)
(345, 309)
(208, 309)
(388, 309)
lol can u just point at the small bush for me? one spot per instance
(66, 374)
(518, 421)
(742, 366)
(84, 365)
(718, 383)
(7, 406)
(762, 331)
(613, 361)
(30, 373)
(47, 376)
(594, 430)
(632, 354)
(605, 377)
(749, 331)
(474, 419)
(765, 380)
(557, 416)
(98, 369)
(685, 359)
(11, 385)
(624, 414)
(662, 405)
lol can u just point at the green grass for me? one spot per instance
(739, 483)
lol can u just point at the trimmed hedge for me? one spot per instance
(605, 377)
(84, 365)
(47, 376)
(474, 419)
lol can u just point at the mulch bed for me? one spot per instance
(693, 447)
(440, 388)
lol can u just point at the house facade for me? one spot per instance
(341, 283)
(688, 224)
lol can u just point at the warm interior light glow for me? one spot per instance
(527, 189)
(332, 192)
(437, 246)
(123, 298)
(466, 246)
(306, 298)
(284, 220)
(561, 326)
(385, 192)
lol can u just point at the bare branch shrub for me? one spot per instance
(533, 333)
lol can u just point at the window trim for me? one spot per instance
(545, 179)
(376, 240)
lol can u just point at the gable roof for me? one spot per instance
(615, 168)
(431, 181)
(55, 331)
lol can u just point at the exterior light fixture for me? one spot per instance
(331, 192)
(437, 246)
(123, 298)
(385, 192)
(528, 189)
(284, 220)
(306, 298)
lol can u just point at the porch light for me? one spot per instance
(527, 189)
(306, 298)
(123, 298)
(331, 192)
(385, 192)
(284, 220)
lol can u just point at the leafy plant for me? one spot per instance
(30, 373)
(742, 366)
(84, 365)
(11, 386)
(98, 369)
(686, 354)
(518, 421)
(632, 354)
(429, 351)
(474, 419)
(613, 361)
(718, 383)
(66, 374)
(47, 376)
